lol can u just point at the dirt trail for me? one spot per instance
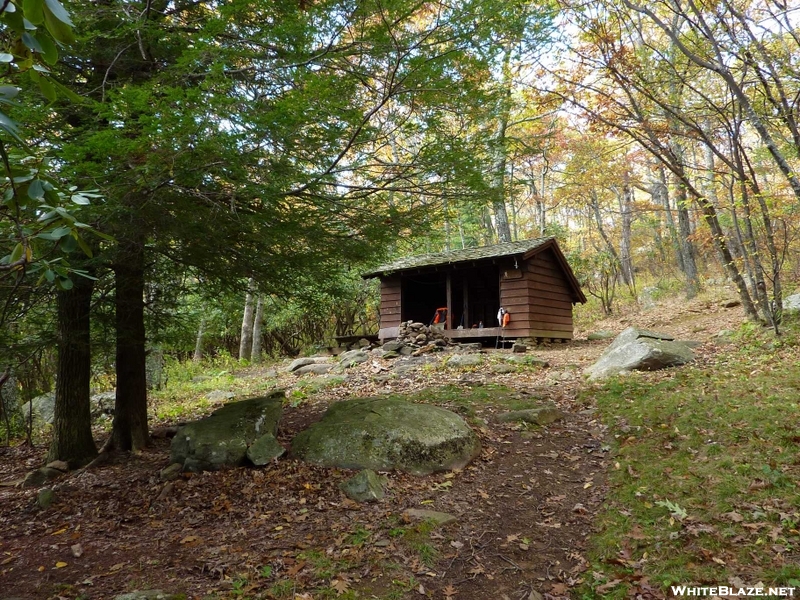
(525, 507)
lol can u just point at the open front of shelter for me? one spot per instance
(523, 289)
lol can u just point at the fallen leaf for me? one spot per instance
(457, 545)
(77, 550)
(421, 590)
(190, 539)
(60, 565)
(340, 585)
(559, 589)
(449, 591)
(602, 589)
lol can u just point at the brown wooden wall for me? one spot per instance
(539, 301)
(390, 302)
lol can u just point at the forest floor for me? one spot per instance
(527, 508)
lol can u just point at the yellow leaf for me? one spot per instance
(60, 565)
(60, 531)
(587, 485)
(40, 569)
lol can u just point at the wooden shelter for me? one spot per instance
(530, 279)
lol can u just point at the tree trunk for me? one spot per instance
(198, 345)
(684, 232)
(130, 430)
(246, 338)
(660, 194)
(499, 150)
(72, 425)
(625, 260)
(256, 353)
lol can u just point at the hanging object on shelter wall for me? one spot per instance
(503, 317)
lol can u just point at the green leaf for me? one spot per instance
(9, 127)
(49, 50)
(84, 246)
(79, 199)
(49, 275)
(68, 244)
(59, 12)
(33, 11)
(65, 284)
(14, 21)
(32, 43)
(36, 190)
(5, 57)
(60, 30)
(10, 8)
(9, 91)
(17, 253)
(68, 93)
(47, 89)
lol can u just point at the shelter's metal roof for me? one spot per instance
(459, 256)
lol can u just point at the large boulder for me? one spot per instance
(640, 350)
(43, 408)
(222, 439)
(792, 303)
(388, 433)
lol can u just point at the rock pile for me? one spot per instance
(415, 338)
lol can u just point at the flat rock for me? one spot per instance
(392, 346)
(388, 433)
(527, 360)
(58, 465)
(421, 514)
(353, 357)
(220, 395)
(639, 350)
(314, 368)
(264, 450)
(302, 362)
(519, 348)
(542, 415)
(221, 440)
(464, 360)
(40, 476)
(365, 486)
(602, 334)
(730, 303)
(503, 368)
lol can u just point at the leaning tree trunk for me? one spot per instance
(130, 430)
(72, 424)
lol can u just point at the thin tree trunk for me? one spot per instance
(130, 431)
(72, 424)
(599, 219)
(499, 149)
(257, 320)
(198, 345)
(625, 260)
(246, 339)
(684, 233)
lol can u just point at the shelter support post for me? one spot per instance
(449, 318)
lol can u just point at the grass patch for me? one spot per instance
(705, 481)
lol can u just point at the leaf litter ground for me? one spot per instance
(525, 507)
